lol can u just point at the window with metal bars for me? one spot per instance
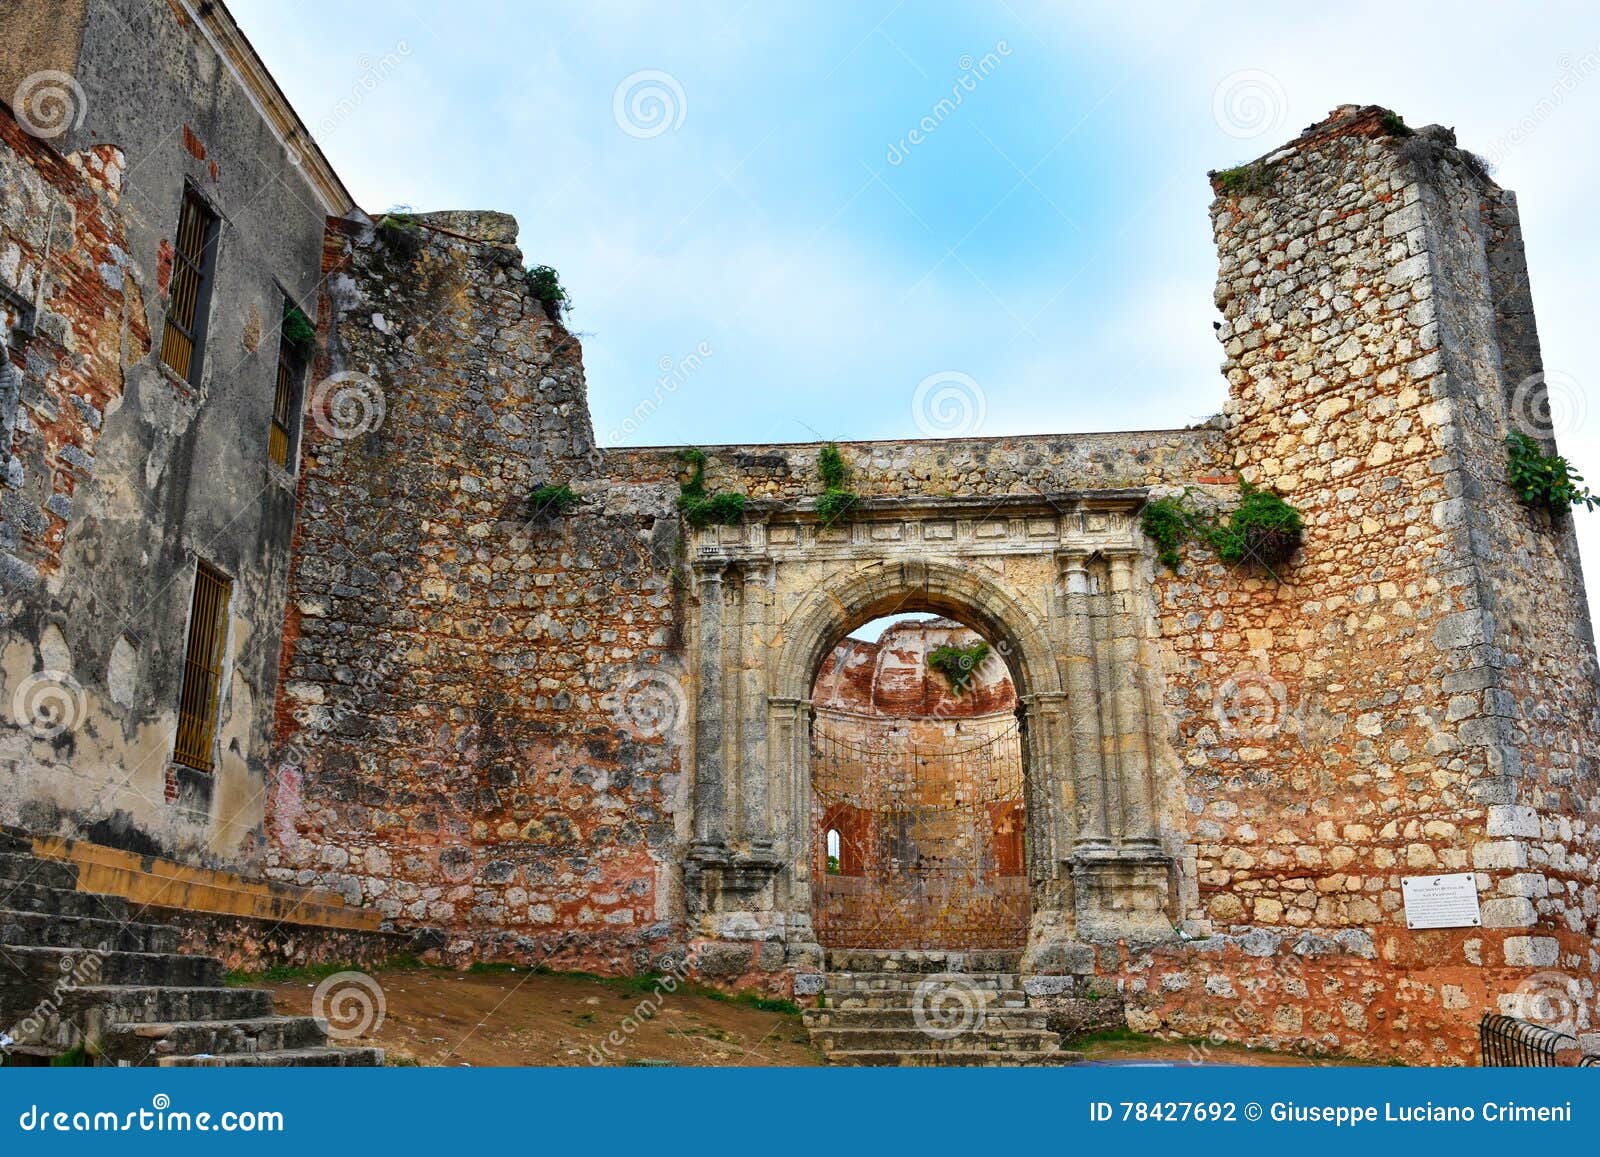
(280, 438)
(202, 668)
(191, 287)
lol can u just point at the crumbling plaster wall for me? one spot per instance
(139, 472)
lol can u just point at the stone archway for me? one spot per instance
(1051, 582)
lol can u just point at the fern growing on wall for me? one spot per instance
(958, 664)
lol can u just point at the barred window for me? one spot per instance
(285, 401)
(202, 668)
(191, 287)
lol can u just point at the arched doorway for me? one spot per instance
(917, 784)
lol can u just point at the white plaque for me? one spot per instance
(1441, 901)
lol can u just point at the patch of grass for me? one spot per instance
(279, 974)
(1542, 479)
(837, 500)
(958, 664)
(545, 284)
(493, 968)
(752, 999)
(1244, 179)
(700, 509)
(1117, 1036)
(1395, 125)
(401, 234)
(552, 500)
(77, 1057)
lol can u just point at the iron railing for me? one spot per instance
(1508, 1041)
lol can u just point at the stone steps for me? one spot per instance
(876, 1058)
(129, 1004)
(146, 1044)
(78, 972)
(44, 930)
(895, 1018)
(143, 968)
(320, 1058)
(31, 897)
(914, 1008)
(17, 868)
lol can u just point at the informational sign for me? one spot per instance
(1441, 901)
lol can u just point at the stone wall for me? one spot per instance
(474, 734)
(1385, 709)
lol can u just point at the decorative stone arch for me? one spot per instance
(1051, 581)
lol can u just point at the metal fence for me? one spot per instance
(1508, 1041)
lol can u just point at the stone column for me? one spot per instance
(752, 757)
(1125, 636)
(1091, 828)
(710, 792)
(789, 734)
(1049, 789)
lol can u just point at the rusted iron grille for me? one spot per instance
(1508, 1041)
(929, 843)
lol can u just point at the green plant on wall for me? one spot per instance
(298, 331)
(545, 284)
(698, 507)
(552, 500)
(1262, 529)
(958, 664)
(837, 500)
(1542, 479)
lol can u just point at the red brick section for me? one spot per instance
(92, 318)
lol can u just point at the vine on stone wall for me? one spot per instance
(702, 509)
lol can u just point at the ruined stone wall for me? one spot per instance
(478, 731)
(1377, 712)
(122, 475)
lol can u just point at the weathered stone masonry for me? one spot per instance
(506, 725)
(585, 737)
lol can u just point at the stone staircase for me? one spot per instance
(76, 972)
(929, 1008)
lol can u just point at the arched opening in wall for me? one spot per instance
(918, 790)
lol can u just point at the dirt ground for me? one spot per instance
(436, 1017)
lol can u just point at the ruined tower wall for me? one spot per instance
(1365, 718)
(471, 737)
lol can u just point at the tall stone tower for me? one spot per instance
(1433, 646)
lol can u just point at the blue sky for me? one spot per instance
(1045, 249)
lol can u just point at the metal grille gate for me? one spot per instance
(919, 847)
